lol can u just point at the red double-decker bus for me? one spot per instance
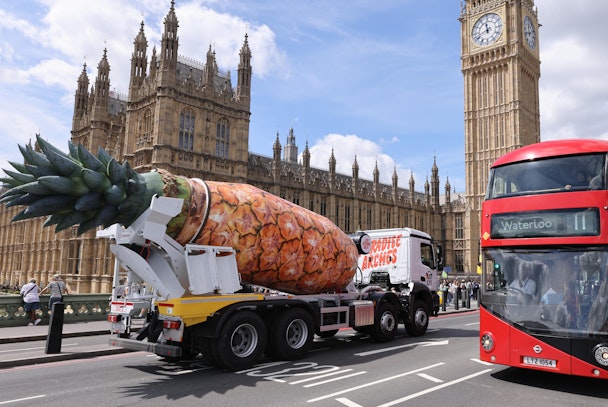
(544, 251)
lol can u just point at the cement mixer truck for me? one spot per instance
(221, 269)
(178, 301)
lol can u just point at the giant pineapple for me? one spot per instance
(278, 244)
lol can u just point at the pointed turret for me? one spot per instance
(448, 197)
(211, 68)
(395, 179)
(169, 43)
(81, 97)
(153, 64)
(139, 61)
(102, 86)
(332, 163)
(244, 72)
(355, 169)
(291, 149)
(306, 156)
(276, 149)
(427, 191)
(376, 174)
(435, 183)
(412, 185)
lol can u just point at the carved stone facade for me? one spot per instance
(501, 68)
(186, 117)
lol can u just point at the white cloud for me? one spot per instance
(9, 21)
(201, 27)
(574, 80)
(368, 154)
(14, 76)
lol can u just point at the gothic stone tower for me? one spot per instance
(501, 68)
(184, 116)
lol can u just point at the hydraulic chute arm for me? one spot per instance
(165, 269)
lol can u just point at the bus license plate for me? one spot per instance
(528, 360)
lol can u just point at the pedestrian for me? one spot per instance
(56, 288)
(475, 290)
(452, 291)
(31, 299)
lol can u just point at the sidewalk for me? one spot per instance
(14, 334)
(12, 356)
(36, 355)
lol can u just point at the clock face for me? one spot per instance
(487, 29)
(529, 32)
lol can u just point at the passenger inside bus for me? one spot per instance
(580, 178)
(524, 282)
(598, 313)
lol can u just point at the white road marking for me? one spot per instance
(309, 379)
(347, 402)
(181, 372)
(482, 362)
(23, 399)
(432, 389)
(375, 382)
(392, 348)
(429, 377)
(262, 366)
(335, 379)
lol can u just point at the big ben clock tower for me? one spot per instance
(501, 69)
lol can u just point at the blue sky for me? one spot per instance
(377, 79)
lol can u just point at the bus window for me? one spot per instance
(549, 290)
(558, 174)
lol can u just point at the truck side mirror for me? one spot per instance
(439, 252)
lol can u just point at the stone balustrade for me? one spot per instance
(78, 308)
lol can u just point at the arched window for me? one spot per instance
(222, 140)
(144, 129)
(186, 130)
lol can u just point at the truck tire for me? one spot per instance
(386, 323)
(241, 342)
(207, 352)
(291, 334)
(420, 322)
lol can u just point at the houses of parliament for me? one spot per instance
(188, 118)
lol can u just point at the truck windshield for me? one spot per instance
(558, 174)
(559, 291)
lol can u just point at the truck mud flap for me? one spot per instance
(160, 349)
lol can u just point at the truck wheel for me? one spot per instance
(385, 324)
(418, 326)
(207, 352)
(241, 342)
(291, 334)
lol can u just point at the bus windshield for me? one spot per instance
(561, 291)
(557, 174)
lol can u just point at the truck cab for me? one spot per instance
(400, 256)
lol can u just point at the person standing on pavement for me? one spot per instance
(56, 288)
(31, 299)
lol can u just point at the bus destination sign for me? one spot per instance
(550, 223)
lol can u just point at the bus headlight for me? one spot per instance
(487, 342)
(601, 354)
